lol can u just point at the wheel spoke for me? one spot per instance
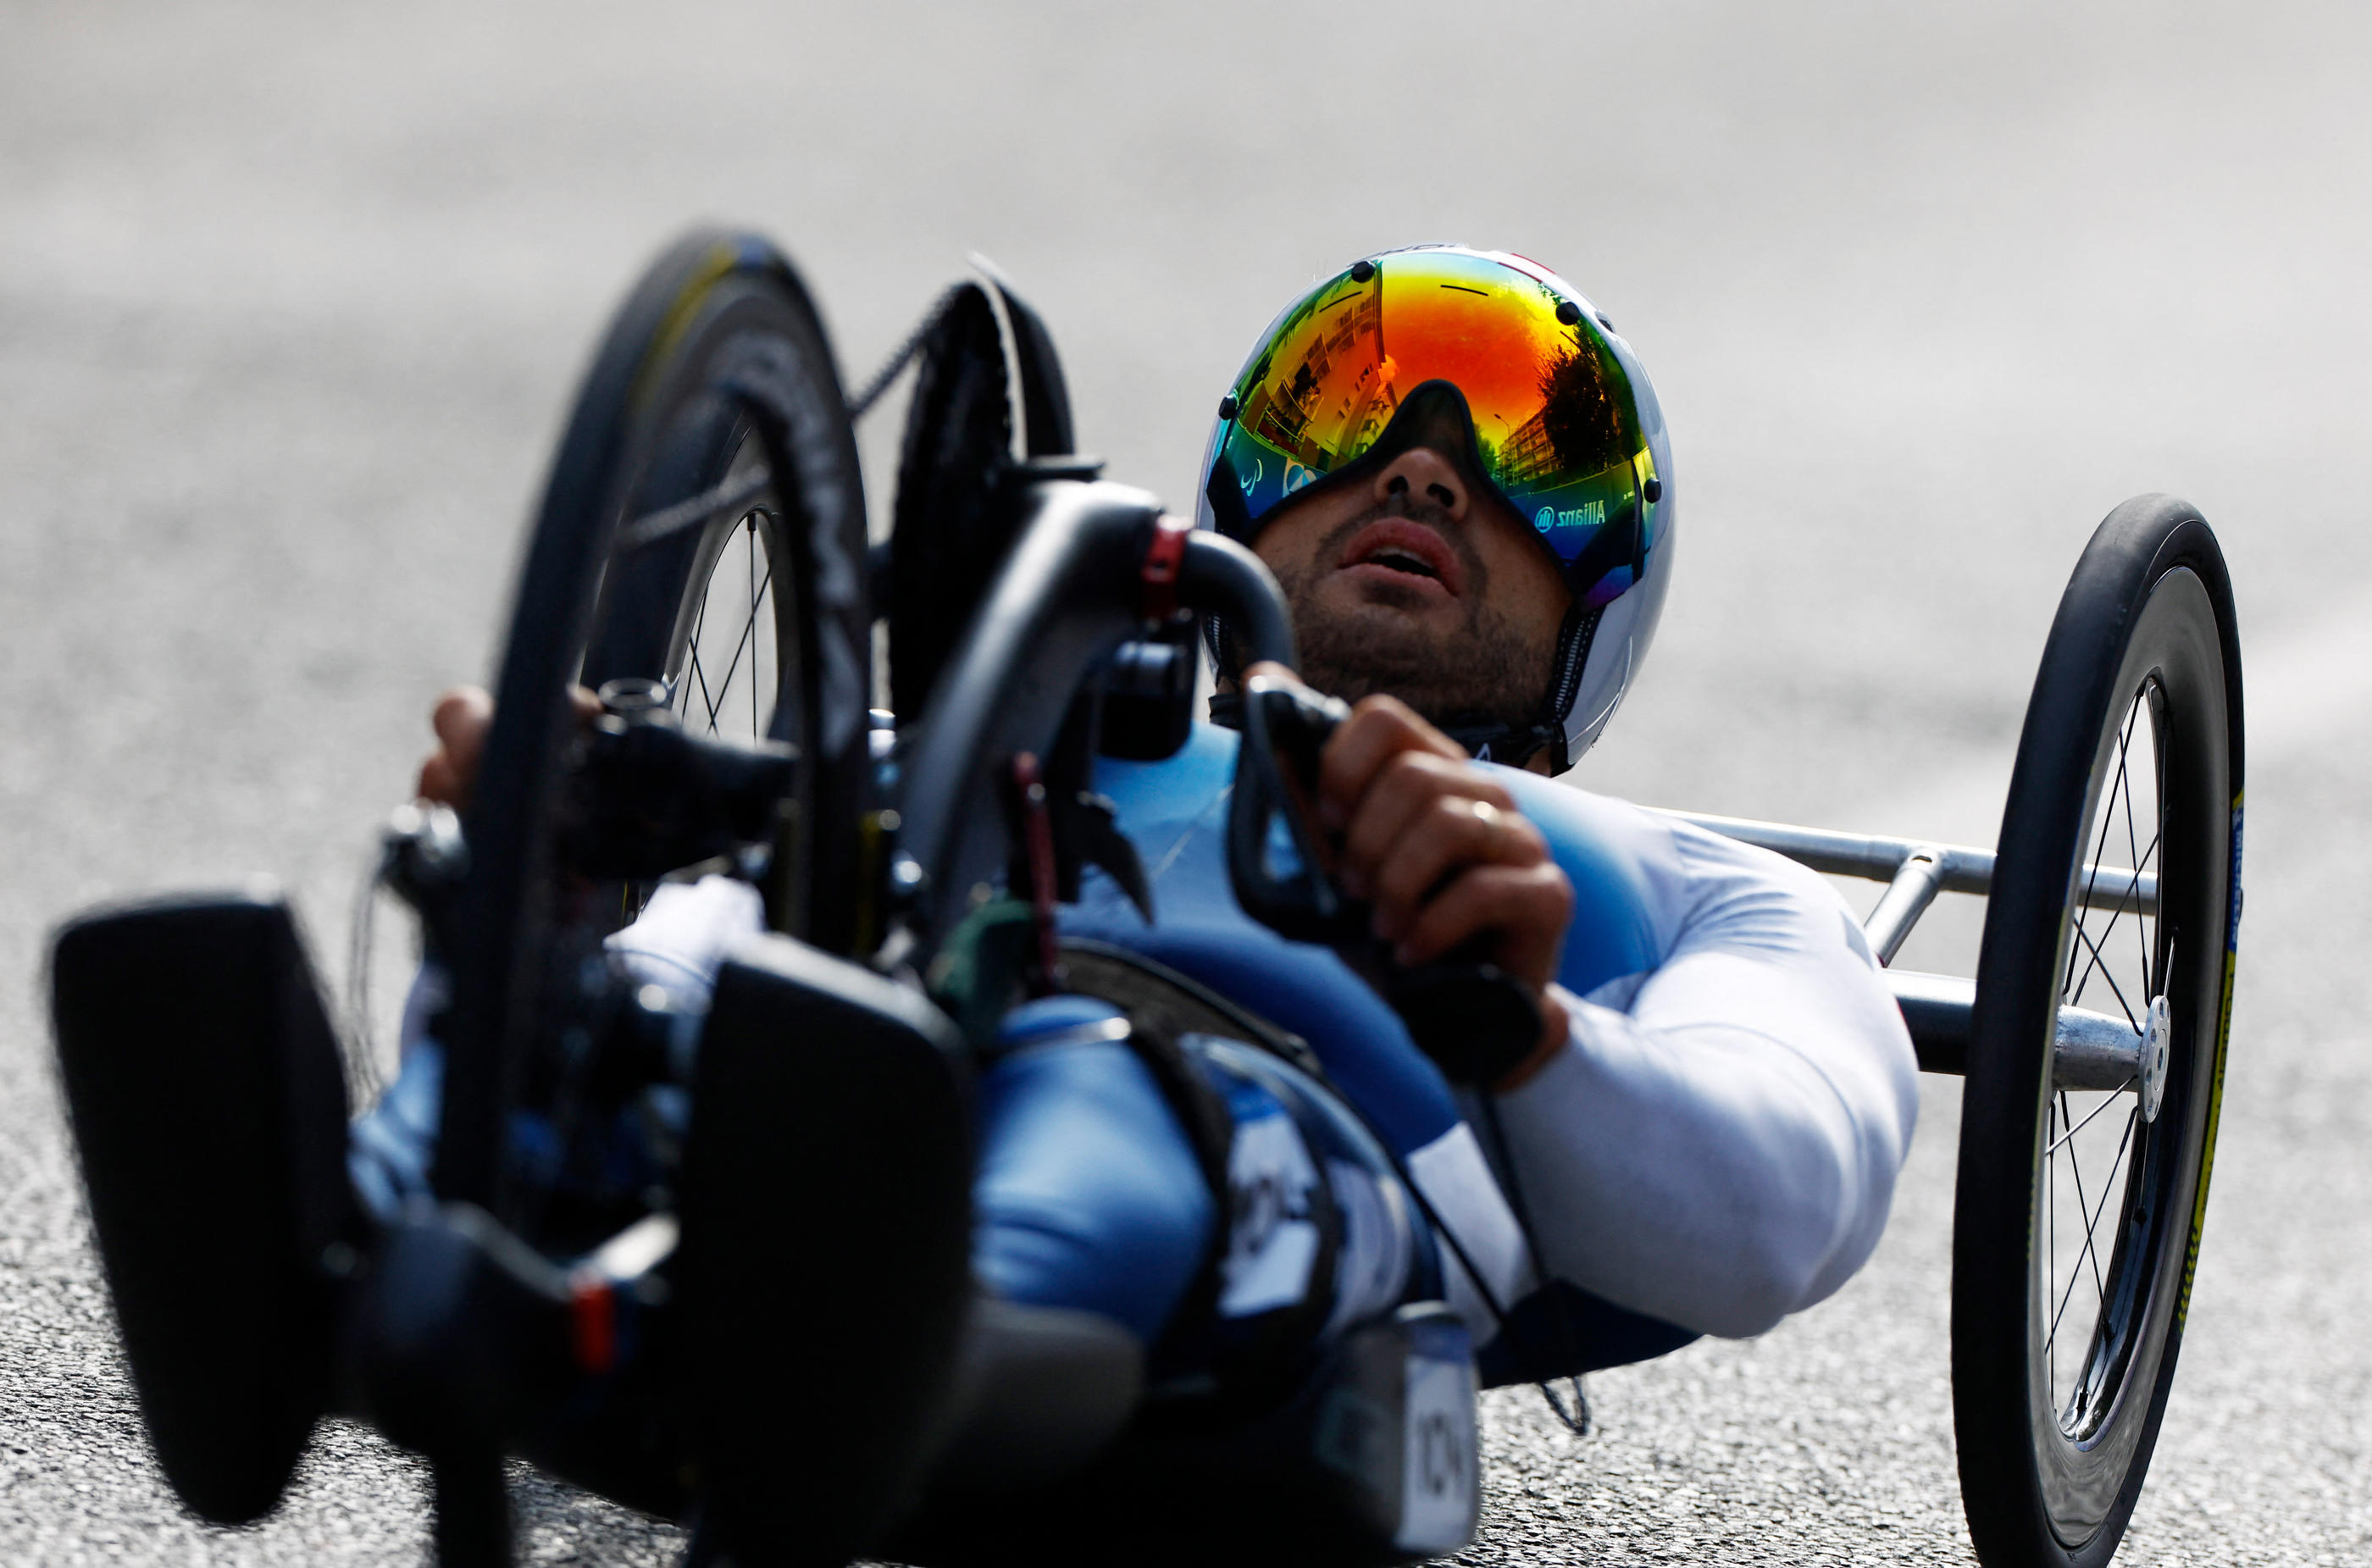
(2091, 1223)
(2090, 1117)
(2144, 925)
(2100, 852)
(651, 527)
(692, 649)
(755, 595)
(749, 636)
(707, 702)
(2051, 1341)
(2075, 999)
(700, 678)
(2157, 842)
(717, 699)
(2051, 1267)
(2133, 857)
(2120, 793)
(2072, 988)
(2083, 1206)
(2098, 961)
(2107, 1191)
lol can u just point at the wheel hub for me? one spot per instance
(2156, 1040)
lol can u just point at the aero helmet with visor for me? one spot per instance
(1559, 419)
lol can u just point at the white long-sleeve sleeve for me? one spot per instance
(1718, 1144)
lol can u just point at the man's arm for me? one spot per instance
(1713, 1144)
(1718, 1145)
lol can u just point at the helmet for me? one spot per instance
(1565, 428)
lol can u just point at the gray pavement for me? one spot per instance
(291, 298)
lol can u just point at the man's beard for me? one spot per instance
(1490, 672)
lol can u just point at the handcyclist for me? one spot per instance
(1460, 477)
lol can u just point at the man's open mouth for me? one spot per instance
(1407, 549)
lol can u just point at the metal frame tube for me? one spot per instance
(2091, 1050)
(1959, 869)
(1917, 882)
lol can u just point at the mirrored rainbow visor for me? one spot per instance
(1557, 426)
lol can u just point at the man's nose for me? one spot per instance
(1422, 474)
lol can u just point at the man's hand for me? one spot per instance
(1442, 854)
(462, 718)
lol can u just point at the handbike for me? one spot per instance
(649, 1340)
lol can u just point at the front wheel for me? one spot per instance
(704, 526)
(2082, 1188)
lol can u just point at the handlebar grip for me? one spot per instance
(1285, 725)
(1475, 1021)
(1219, 576)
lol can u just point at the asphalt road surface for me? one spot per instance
(291, 298)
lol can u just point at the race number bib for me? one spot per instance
(1440, 1457)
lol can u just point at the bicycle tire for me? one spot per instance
(2141, 667)
(719, 335)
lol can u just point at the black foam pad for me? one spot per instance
(208, 1101)
(827, 1225)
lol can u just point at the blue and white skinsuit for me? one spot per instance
(1716, 1147)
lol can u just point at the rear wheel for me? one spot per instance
(2082, 1192)
(953, 524)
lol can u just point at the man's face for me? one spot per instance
(1421, 583)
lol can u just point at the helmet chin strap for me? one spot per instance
(1514, 745)
(1486, 740)
(1509, 745)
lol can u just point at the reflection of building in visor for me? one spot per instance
(1555, 426)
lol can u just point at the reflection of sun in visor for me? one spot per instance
(1555, 427)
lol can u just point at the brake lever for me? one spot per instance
(1475, 1020)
